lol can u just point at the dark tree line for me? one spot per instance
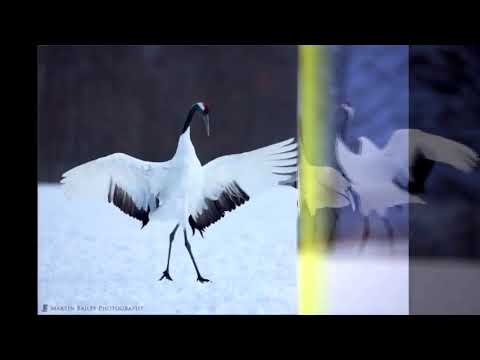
(97, 100)
(445, 100)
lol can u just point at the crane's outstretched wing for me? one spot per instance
(130, 184)
(333, 189)
(410, 148)
(347, 160)
(229, 181)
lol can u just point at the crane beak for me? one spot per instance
(206, 120)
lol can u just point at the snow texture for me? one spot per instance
(91, 254)
(368, 284)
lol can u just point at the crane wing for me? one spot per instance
(338, 189)
(130, 184)
(230, 181)
(422, 146)
(332, 188)
(347, 160)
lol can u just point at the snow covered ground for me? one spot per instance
(368, 285)
(373, 280)
(91, 254)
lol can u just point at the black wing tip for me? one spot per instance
(122, 200)
(144, 223)
(292, 183)
(194, 225)
(416, 188)
(216, 209)
(420, 172)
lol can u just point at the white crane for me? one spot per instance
(375, 174)
(181, 189)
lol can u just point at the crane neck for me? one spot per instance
(348, 118)
(185, 146)
(190, 115)
(343, 128)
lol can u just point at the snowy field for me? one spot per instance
(91, 254)
(94, 255)
(368, 285)
(373, 280)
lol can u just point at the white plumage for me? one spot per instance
(181, 189)
(332, 190)
(374, 172)
(141, 180)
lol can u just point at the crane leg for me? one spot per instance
(333, 226)
(366, 232)
(389, 228)
(166, 274)
(187, 245)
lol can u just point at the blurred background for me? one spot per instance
(445, 235)
(434, 268)
(445, 100)
(432, 88)
(97, 100)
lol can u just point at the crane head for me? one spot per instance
(205, 114)
(349, 109)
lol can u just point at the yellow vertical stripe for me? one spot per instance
(312, 107)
